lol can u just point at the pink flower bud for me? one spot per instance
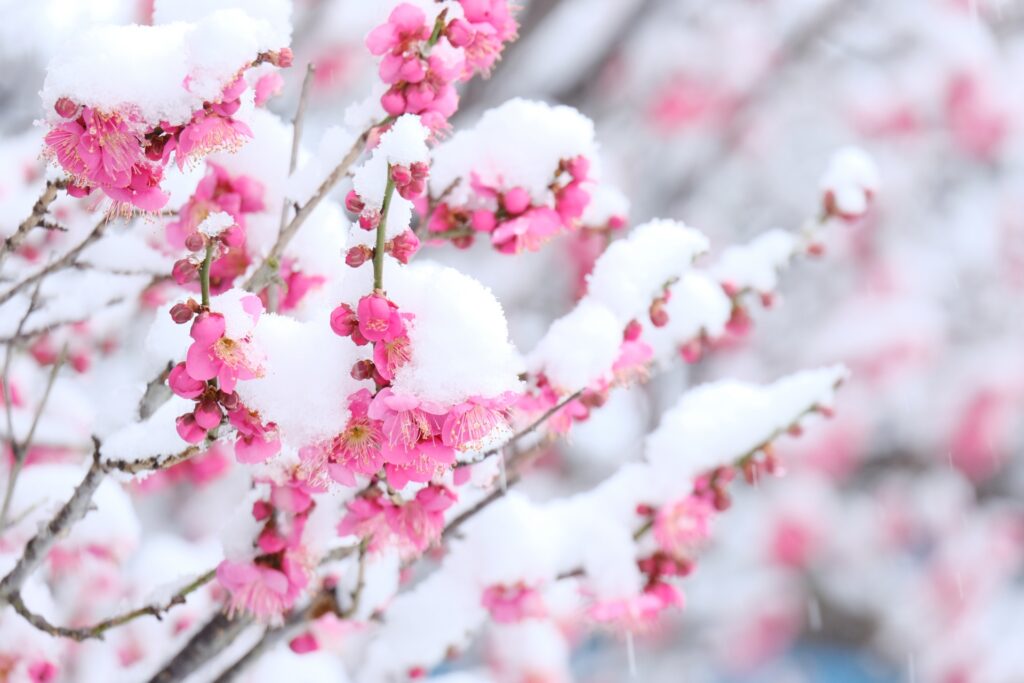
(184, 271)
(659, 316)
(196, 241)
(740, 322)
(483, 220)
(420, 170)
(207, 414)
(363, 369)
(344, 320)
(464, 242)
(285, 57)
(459, 33)
(369, 219)
(304, 643)
(233, 237)
(182, 384)
(353, 203)
(181, 313)
(516, 201)
(66, 108)
(393, 102)
(188, 429)
(404, 246)
(400, 175)
(691, 351)
(358, 255)
(261, 510)
(579, 168)
(228, 401)
(633, 330)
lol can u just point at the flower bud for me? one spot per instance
(184, 271)
(369, 219)
(181, 313)
(400, 175)
(363, 369)
(420, 170)
(358, 255)
(633, 330)
(659, 316)
(353, 203)
(404, 246)
(459, 33)
(196, 241)
(66, 108)
(229, 401)
(285, 58)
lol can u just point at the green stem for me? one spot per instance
(204, 274)
(438, 28)
(382, 228)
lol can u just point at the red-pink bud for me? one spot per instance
(233, 236)
(633, 330)
(353, 203)
(261, 510)
(301, 644)
(516, 201)
(658, 314)
(420, 170)
(358, 255)
(196, 241)
(285, 57)
(344, 320)
(691, 351)
(400, 175)
(459, 33)
(369, 219)
(393, 102)
(363, 369)
(483, 220)
(181, 313)
(184, 271)
(404, 246)
(229, 401)
(66, 108)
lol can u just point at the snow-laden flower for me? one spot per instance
(215, 355)
(256, 442)
(682, 527)
(263, 591)
(511, 604)
(639, 612)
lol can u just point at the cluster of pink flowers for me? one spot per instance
(213, 366)
(218, 191)
(510, 217)
(269, 585)
(124, 157)
(509, 604)
(421, 63)
(412, 526)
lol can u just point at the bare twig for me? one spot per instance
(96, 631)
(265, 272)
(300, 115)
(73, 510)
(35, 218)
(217, 634)
(20, 448)
(66, 261)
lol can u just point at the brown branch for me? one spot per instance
(97, 630)
(68, 260)
(20, 448)
(35, 218)
(263, 275)
(72, 511)
(218, 633)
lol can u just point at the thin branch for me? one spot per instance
(218, 633)
(73, 510)
(96, 631)
(265, 272)
(20, 449)
(66, 261)
(35, 219)
(300, 115)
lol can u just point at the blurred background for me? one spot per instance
(892, 549)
